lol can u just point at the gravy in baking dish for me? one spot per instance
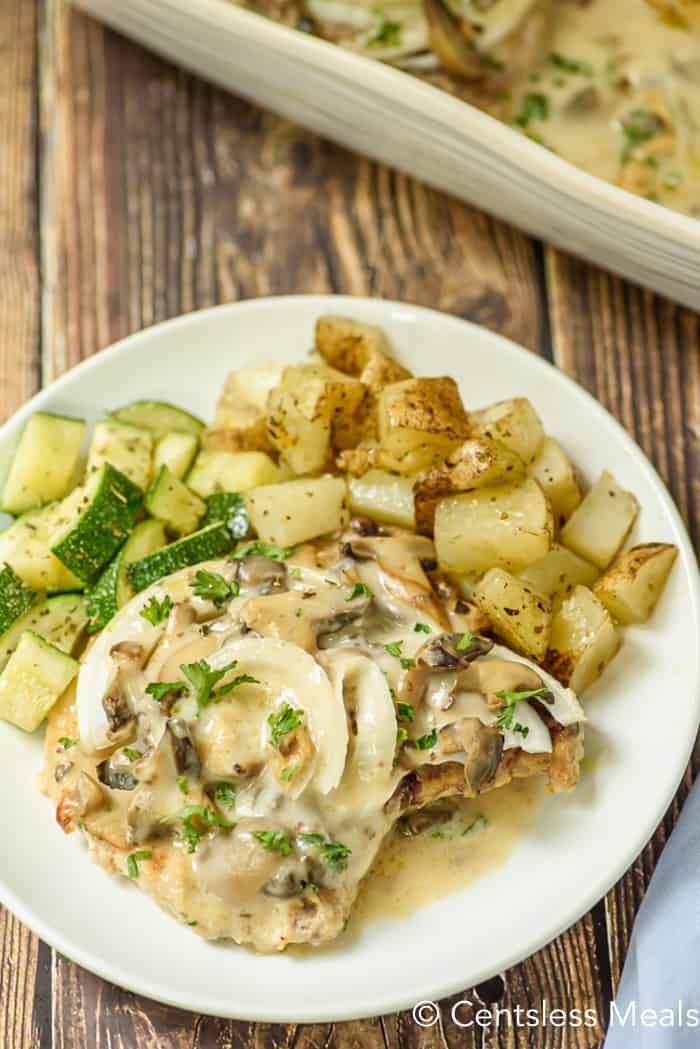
(618, 94)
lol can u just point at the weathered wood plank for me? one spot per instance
(640, 356)
(19, 379)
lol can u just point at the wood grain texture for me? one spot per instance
(155, 194)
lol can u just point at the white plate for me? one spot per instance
(644, 713)
(396, 118)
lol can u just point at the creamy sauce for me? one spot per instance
(411, 872)
(611, 85)
(314, 804)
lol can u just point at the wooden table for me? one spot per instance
(131, 192)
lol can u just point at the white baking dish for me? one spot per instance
(396, 118)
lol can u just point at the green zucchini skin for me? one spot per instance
(59, 619)
(159, 417)
(101, 600)
(15, 598)
(205, 545)
(228, 507)
(92, 539)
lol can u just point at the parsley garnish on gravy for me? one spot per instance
(261, 549)
(274, 841)
(282, 721)
(211, 586)
(334, 853)
(359, 590)
(196, 821)
(507, 711)
(133, 860)
(155, 611)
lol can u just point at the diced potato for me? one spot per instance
(598, 527)
(514, 423)
(421, 421)
(215, 471)
(314, 410)
(383, 497)
(504, 526)
(478, 462)
(518, 614)
(240, 418)
(553, 471)
(296, 511)
(635, 581)
(559, 571)
(582, 641)
(358, 349)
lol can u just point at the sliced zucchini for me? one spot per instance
(112, 590)
(177, 452)
(146, 538)
(94, 521)
(60, 619)
(44, 464)
(159, 417)
(129, 448)
(204, 545)
(229, 507)
(171, 501)
(26, 546)
(36, 676)
(15, 598)
(215, 471)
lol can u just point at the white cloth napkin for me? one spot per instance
(662, 969)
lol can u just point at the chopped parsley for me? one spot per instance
(477, 823)
(507, 711)
(465, 641)
(211, 586)
(263, 549)
(387, 35)
(401, 736)
(283, 720)
(202, 680)
(570, 65)
(132, 753)
(160, 689)
(288, 773)
(192, 831)
(534, 106)
(183, 784)
(359, 590)
(404, 712)
(422, 628)
(225, 794)
(334, 853)
(274, 841)
(394, 648)
(156, 611)
(297, 613)
(638, 127)
(133, 860)
(407, 664)
(66, 742)
(428, 741)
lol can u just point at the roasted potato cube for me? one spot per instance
(216, 471)
(313, 410)
(514, 423)
(505, 526)
(478, 462)
(559, 571)
(518, 613)
(553, 471)
(384, 497)
(240, 418)
(598, 527)
(582, 641)
(635, 581)
(420, 421)
(296, 511)
(358, 349)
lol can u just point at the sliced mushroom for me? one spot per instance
(128, 652)
(261, 574)
(304, 618)
(482, 746)
(117, 711)
(116, 777)
(184, 751)
(439, 653)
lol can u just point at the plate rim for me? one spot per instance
(383, 1002)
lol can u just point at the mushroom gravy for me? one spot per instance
(245, 762)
